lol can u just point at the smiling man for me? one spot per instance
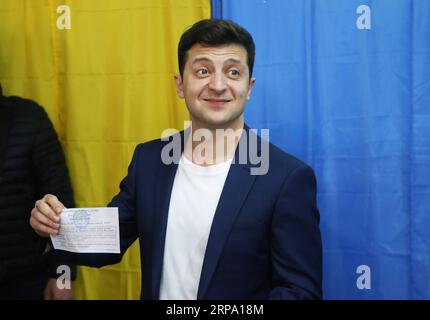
(215, 83)
(208, 228)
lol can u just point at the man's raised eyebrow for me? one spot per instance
(233, 61)
(200, 59)
(228, 61)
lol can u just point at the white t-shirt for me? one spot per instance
(195, 195)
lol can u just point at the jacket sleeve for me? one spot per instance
(296, 239)
(51, 175)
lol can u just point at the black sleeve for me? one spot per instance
(49, 163)
(51, 175)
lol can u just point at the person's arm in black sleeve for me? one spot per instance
(51, 175)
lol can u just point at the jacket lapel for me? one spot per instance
(163, 191)
(236, 188)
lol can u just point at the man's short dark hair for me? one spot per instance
(215, 32)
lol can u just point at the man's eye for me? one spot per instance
(202, 72)
(233, 72)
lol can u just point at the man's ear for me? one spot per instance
(251, 85)
(179, 86)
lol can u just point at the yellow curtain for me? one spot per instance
(103, 70)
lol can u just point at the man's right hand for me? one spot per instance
(45, 216)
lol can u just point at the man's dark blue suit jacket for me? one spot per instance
(264, 241)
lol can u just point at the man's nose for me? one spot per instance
(217, 82)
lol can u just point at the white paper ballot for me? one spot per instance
(88, 230)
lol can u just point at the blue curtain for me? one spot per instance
(346, 88)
